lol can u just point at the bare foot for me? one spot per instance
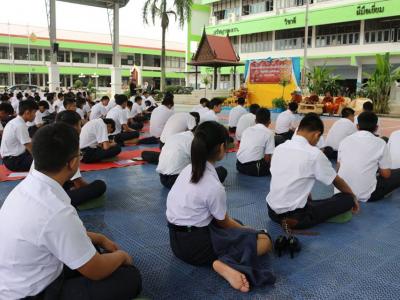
(236, 279)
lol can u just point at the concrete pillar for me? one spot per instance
(273, 41)
(313, 36)
(218, 78)
(54, 73)
(116, 82)
(362, 32)
(359, 75)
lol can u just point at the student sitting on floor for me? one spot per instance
(246, 121)
(134, 111)
(78, 189)
(235, 114)
(46, 252)
(68, 104)
(214, 108)
(148, 103)
(94, 142)
(201, 232)
(338, 132)
(6, 114)
(286, 123)
(16, 146)
(59, 102)
(361, 155)
(179, 122)
(42, 112)
(50, 100)
(369, 107)
(256, 146)
(202, 107)
(99, 109)
(295, 167)
(394, 148)
(79, 108)
(122, 132)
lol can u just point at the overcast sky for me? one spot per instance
(83, 18)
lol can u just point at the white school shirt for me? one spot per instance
(256, 141)
(61, 108)
(159, 118)
(360, 155)
(39, 116)
(244, 122)
(321, 142)
(152, 101)
(176, 153)
(15, 136)
(98, 111)
(120, 117)
(93, 133)
(86, 108)
(199, 109)
(57, 104)
(196, 204)
(178, 122)
(136, 109)
(295, 166)
(111, 104)
(51, 108)
(76, 175)
(40, 232)
(15, 104)
(285, 122)
(235, 114)
(339, 131)
(394, 148)
(209, 115)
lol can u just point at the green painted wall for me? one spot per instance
(85, 46)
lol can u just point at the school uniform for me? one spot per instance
(378, 132)
(234, 116)
(80, 112)
(394, 148)
(338, 132)
(134, 119)
(257, 141)
(177, 123)
(285, 123)
(360, 156)
(199, 109)
(51, 108)
(244, 122)
(98, 111)
(57, 104)
(148, 103)
(159, 118)
(295, 167)
(13, 152)
(42, 235)
(120, 117)
(195, 239)
(86, 108)
(92, 134)
(61, 108)
(209, 115)
(111, 104)
(15, 104)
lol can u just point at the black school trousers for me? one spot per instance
(316, 211)
(125, 284)
(120, 138)
(86, 193)
(93, 155)
(330, 153)
(20, 163)
(386, 186)
(257, 168)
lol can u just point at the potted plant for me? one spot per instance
(279, 104)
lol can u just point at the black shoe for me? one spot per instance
(281, 244)
(293, 245)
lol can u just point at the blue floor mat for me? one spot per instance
(358, 260)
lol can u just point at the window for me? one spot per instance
(338, 34)
(291, 39)
(104, 81)
(4, 53)
(256, 42)
(385, 30)
(172, 62)
(80, 57)
(129, 60)
(21, 78)
(21, 53)
(256, 6)
(294, 3)
(222, 9)
(3, 79)
(104, 59)
(151, 60)
(63, 56)
(28, 54)
(47, 55)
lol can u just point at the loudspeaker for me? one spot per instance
(55, 47)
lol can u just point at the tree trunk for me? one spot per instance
(162, 81)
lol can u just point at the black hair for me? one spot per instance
(105, 98)
(4, 97)
(204, 100)
(263, 116)
(168, 99)
(129, 103)
(207, 139)
(45, 104)
(368, 106)
(347, 112)
(293, 106)
(7, 108)
(111, 122)
(20, 96)
(367, 121)
(27, 105)
(50, 97)
(214, 102)
(53, 146)
(196, 116)
(69, 117)
(67, 101)
(121, 99)
(138, 98)
(241, 101)
(37, 98)
(80, 102)
(60, 95)
(311, 122)
(254, 108)
(30, 98)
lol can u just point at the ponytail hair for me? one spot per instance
(207, 139)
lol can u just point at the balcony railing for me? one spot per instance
(293, 43)
(340, 39)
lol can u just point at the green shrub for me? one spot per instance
(279, 103)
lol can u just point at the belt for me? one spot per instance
(185, 228)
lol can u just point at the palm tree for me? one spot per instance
(180, 9)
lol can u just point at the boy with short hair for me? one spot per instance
(295, 167)
(161, 114)
(46, 252)
(246, 121)
(235, 114)
(59, 102)
(69, 103)
(135, 114)
(256, 146)
(16, 146)
(214, 108)
(99, 110)
(202, 107)
(286, 123)
(361, 155)
(94, 142)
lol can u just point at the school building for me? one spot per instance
(25, 57)
(343, 34)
